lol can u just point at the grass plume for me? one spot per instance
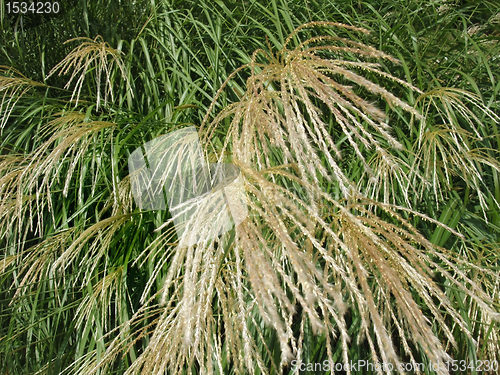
(99, 54)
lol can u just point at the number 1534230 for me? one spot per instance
(24, 7)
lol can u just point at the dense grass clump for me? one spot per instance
(366, 135)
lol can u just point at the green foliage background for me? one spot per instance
(176, 55)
